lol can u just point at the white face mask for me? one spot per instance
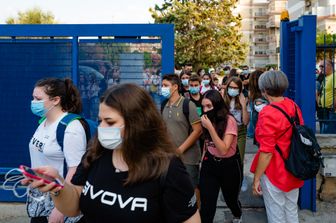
(233, 92)
(258, 108)
(110, 137)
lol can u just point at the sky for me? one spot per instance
(85, 11)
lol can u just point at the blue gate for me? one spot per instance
(297, 60)
(94, 56)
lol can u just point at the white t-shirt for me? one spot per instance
(45, 151)
(237, 114)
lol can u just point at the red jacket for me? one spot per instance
(272, 129)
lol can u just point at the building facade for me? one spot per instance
(325, 10)
(260, 28)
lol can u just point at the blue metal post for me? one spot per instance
(298, 64)
(304, 64)
(75, 59)
(284, 47)
(306, 94)
(168, 51)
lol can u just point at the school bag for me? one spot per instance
(89, 126)
(305, 158)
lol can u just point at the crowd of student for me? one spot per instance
(150, 166)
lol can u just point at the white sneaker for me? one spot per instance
(244, 185)
(237, 220)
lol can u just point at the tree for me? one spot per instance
(32, 16)
(206, 31)
(325, 45)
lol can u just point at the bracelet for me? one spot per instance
(55, 193)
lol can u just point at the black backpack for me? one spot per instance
(305, 156)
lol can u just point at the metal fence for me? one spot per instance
(326, 84)
(93, 56)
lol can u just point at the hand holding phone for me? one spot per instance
(31, 174)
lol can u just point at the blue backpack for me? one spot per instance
(89, 126)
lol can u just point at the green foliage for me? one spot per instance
(323, 40)
(32, 16)
(148, 59)
(269, 66)
(206, 31)
(323, 37)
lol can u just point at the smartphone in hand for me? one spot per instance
(30, 173)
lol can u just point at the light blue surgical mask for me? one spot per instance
(205, 82)
(110, 137)
(37, 108)
(233, 92)
(185, 82)
(246, 72)
(194, 90)
(165, 92)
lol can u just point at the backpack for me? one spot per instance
(89, 126)
(305, 156)
(185, 109)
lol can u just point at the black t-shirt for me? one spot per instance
(105, 199)
(198, 104)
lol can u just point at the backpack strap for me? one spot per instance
(163, 104)
(60, 131)
(185, 108)
(291, 120)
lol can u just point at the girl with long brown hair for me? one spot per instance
(237, 102)
(130, 172)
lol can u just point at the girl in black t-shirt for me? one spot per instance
(129, 173)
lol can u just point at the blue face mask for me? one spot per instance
(185, 82)
(205, 82)
(233, 92)
(165, 92)
(194, 90)
(245, 72)
(37, 108)
(110, 137)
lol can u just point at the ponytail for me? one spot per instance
(72, 101)
(66, 90)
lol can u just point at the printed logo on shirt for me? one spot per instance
(38, 144)
(192, 201)
(110, 198)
